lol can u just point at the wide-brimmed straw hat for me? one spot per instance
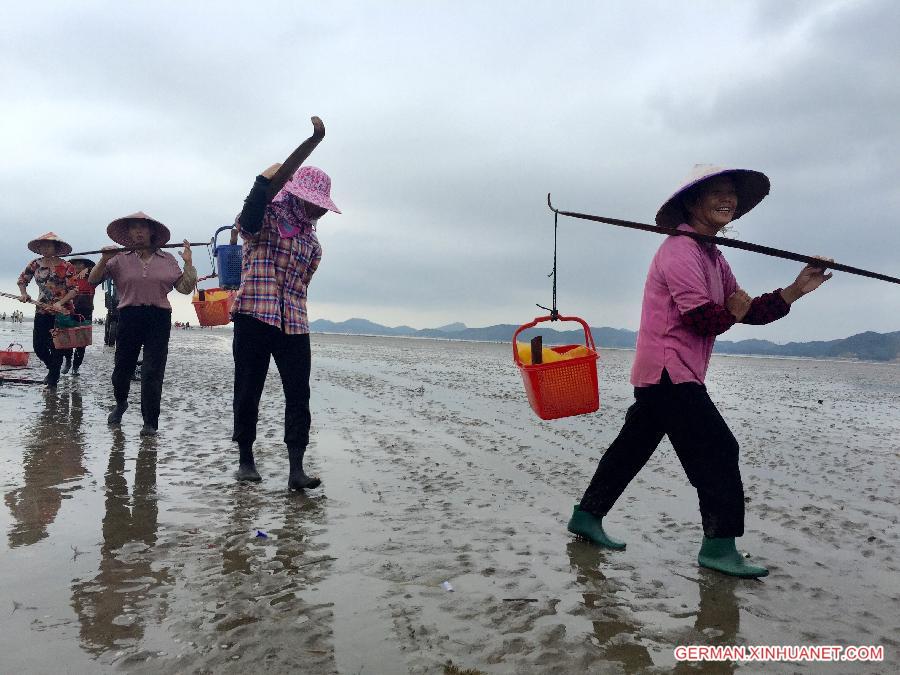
(313, 185)
(62, 248)
(87, 262)
(751, 187)
(118, 229)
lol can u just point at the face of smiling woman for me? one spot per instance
(714, 208)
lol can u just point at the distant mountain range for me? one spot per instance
(867, 346)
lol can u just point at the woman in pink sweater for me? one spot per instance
(690, 297)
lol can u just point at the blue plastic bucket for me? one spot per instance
(228, 261)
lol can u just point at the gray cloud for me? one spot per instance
(448, 124)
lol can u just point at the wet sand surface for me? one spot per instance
(122, 553)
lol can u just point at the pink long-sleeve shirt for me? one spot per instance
(685, 274)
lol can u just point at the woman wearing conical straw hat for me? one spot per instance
(143, 278)
(281, 254)
(84, 307)
(690, 297)
(55, 279)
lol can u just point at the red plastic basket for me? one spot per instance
(561, 388)
(14, 357)
(71, 338)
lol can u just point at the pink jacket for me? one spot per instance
(684, 274)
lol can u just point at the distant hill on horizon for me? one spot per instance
(868, 346)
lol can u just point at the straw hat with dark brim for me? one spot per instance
(62, 248)
(751, 187)
(118, 229)
(87, 262)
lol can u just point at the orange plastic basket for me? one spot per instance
(14, 357)
(562, 388)
(215, 311)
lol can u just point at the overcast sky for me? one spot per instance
(447, 123)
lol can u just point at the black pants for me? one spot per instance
(43, 345)
(148, 327)
(255, 342)
(705, 446)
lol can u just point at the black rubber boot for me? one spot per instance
(148, 430)
(246, 466)
(67, 365)
(115, 417)
(297, 479)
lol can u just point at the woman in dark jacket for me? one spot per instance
(281, 253)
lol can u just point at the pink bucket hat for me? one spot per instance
(312, 185)
(118, 229)
(751, 187)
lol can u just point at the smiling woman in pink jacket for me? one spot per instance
(690, 297)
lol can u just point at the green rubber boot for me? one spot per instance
(720, 554)
(590, 527)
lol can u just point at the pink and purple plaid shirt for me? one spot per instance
(276, 270)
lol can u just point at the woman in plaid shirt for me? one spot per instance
(281, 253)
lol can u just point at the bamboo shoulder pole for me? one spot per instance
(733, 243)
(123, 249)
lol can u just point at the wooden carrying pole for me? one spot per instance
(734, 243)
(123, 249)
(42, 305)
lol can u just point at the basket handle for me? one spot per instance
(588, 338)
(214, 243)
(15, 344)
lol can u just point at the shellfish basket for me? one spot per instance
(18, 358)
(561, 388)
(213, 306)
(72, 337)
(228, 261)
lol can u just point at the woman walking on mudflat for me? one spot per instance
(690, 297)
(281, 254)
(55, 279)
(143, 277)
(84, 307)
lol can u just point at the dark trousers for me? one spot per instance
(146, 327)
(705, 446)
(255, 342)
(43, 345)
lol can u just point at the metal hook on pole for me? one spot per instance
(554, 312)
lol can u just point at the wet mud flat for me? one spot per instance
(122, 553)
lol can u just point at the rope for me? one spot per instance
(554, 313)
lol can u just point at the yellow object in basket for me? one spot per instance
(548, 355)
(211, 295)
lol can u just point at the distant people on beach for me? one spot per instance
(143, 278)
(690, 297)
(55, 279)
(84, 309)
(281, 254)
